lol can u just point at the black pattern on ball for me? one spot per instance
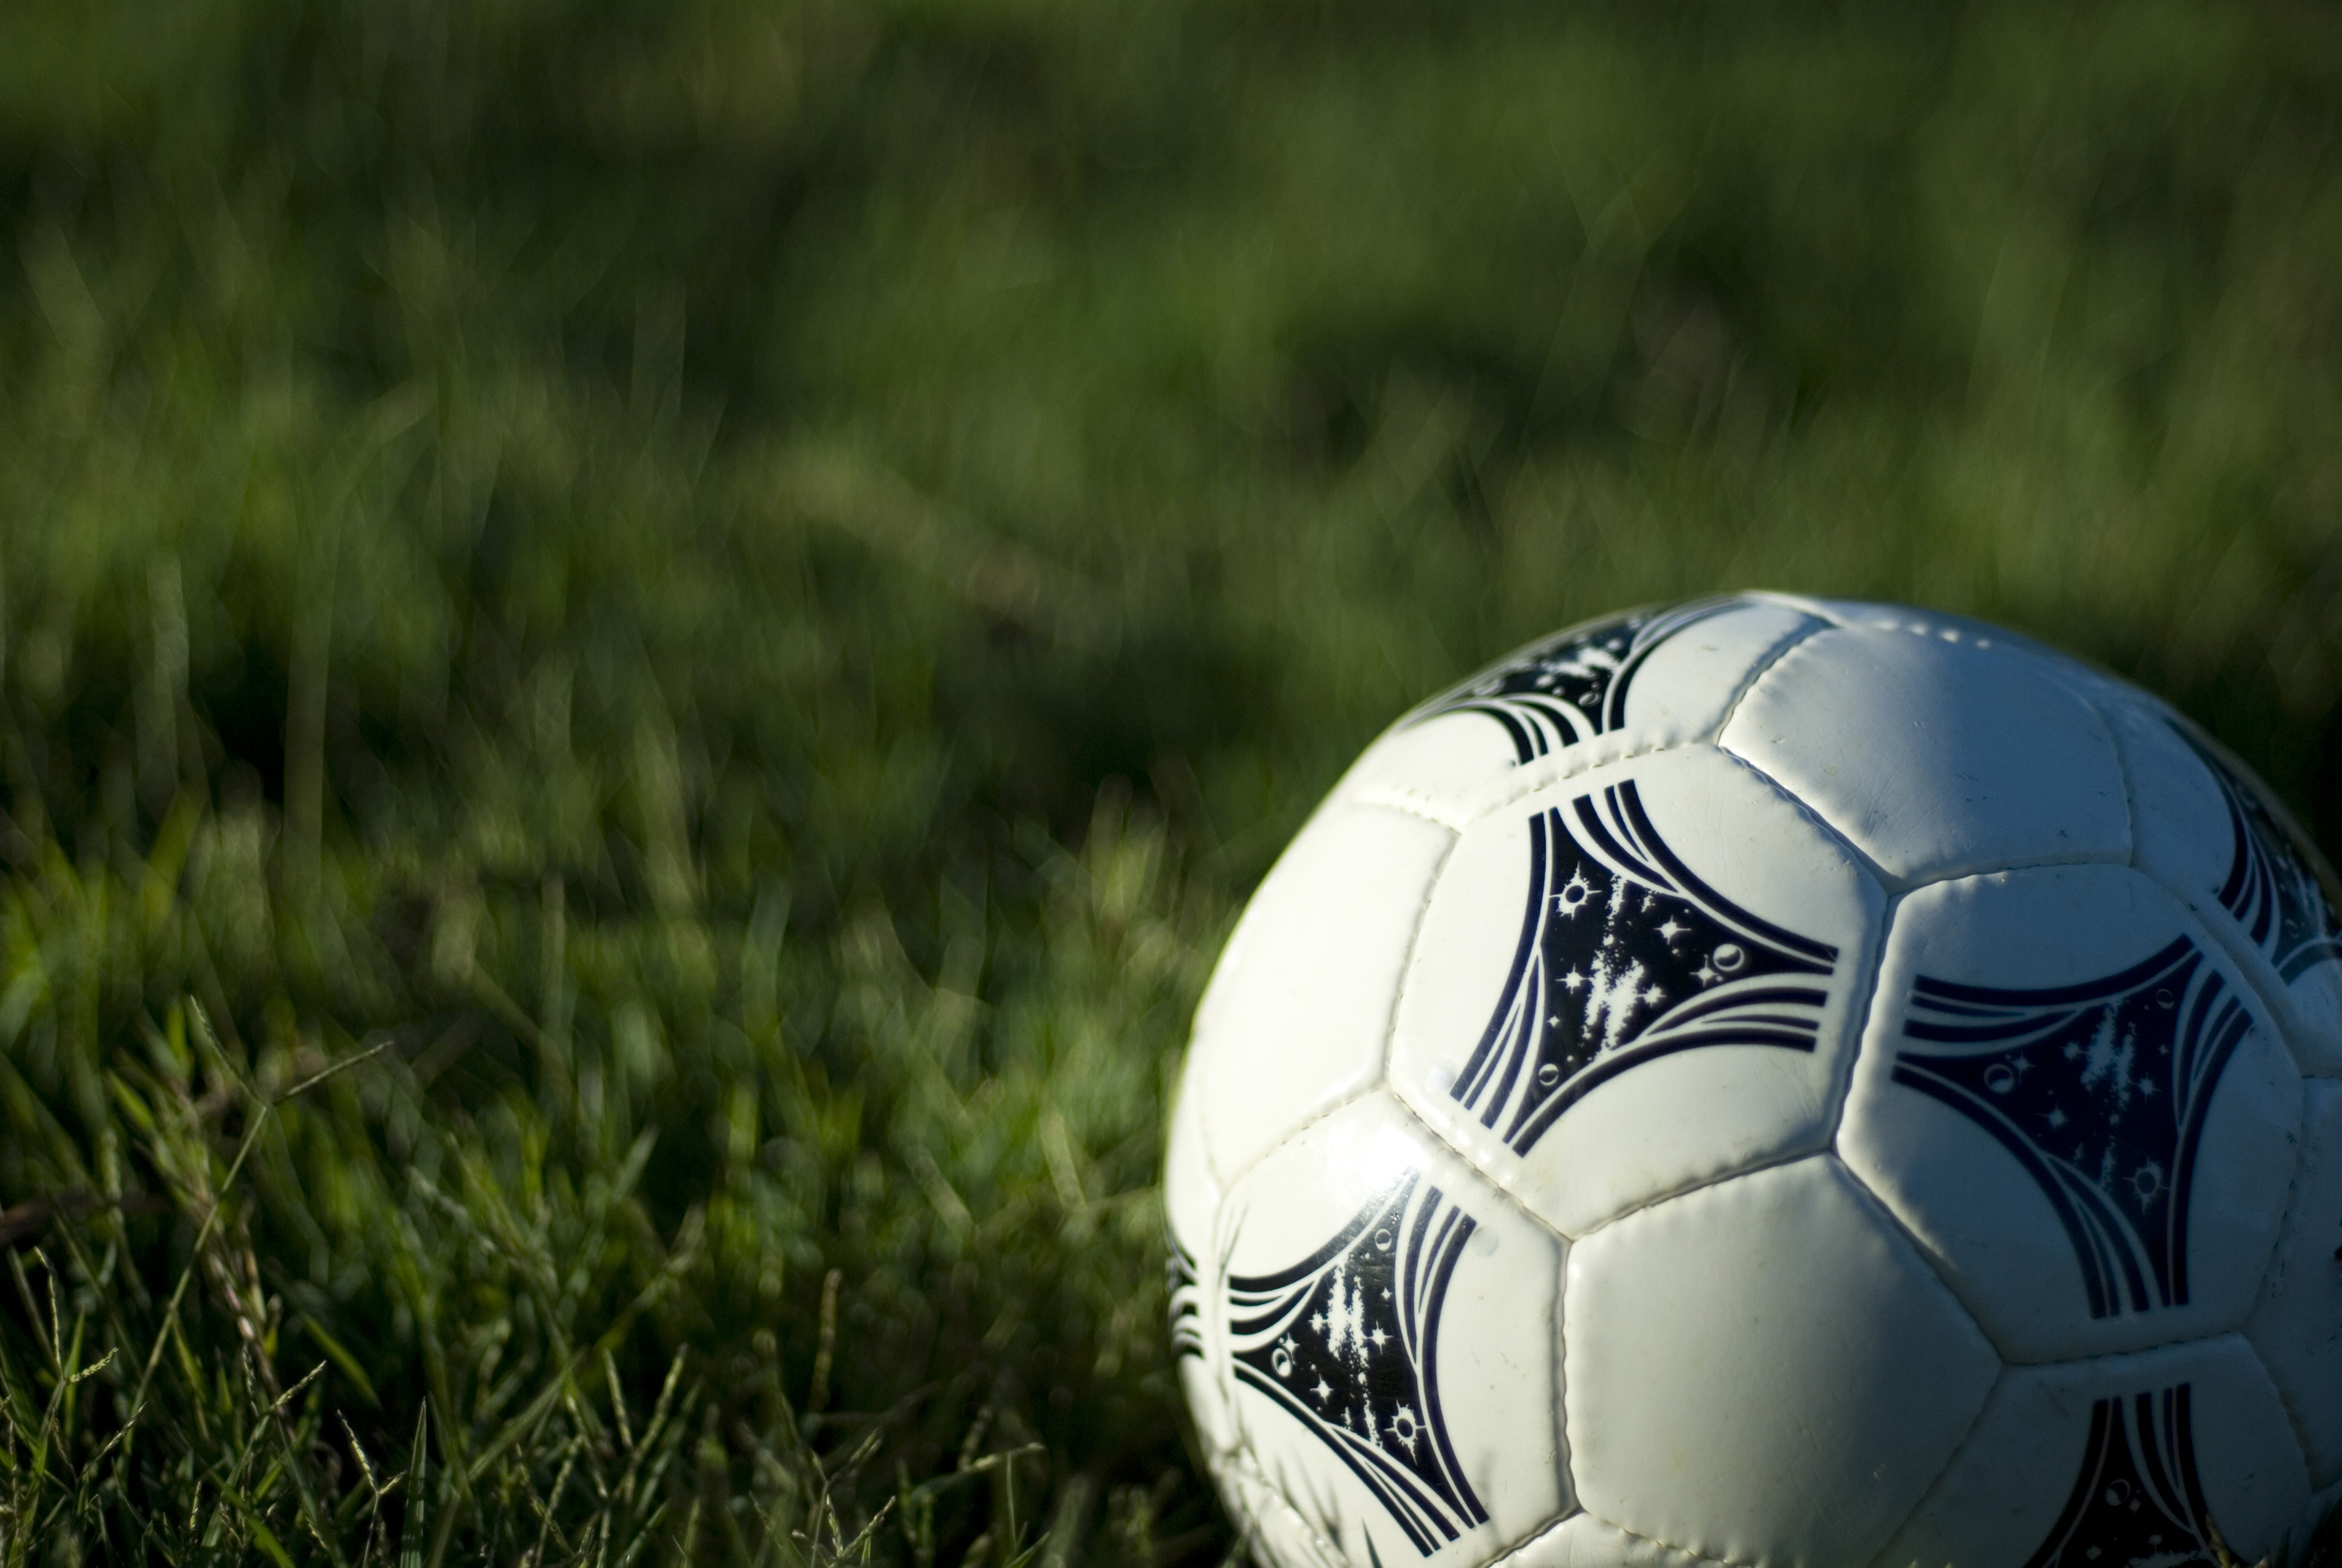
(1559, 692)
(2269, 888)
(1186, 1314)
(2100, 1090)
(1625, 957)
(1347, 1342)
(2137, 1502)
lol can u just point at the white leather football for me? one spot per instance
(1773, 1081)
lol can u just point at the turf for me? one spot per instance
(647, 645)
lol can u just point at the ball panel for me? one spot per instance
(1191, 1209)
(2070, 1099)
(2297, 1324)
(1392, 1336)
(1297, 1013)
(1763, 1370)
(1191, 1188)
(1582, 1541)
(1633, 683)
(1275, 1532)
(1935, 756)
(1635, 982)
(2127, 1461)
(2086, 680)
(2212, 834)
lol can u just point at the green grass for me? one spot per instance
(647, 645)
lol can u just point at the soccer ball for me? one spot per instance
(1766, 1082)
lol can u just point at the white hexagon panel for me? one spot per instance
(1394, 1334)
(1764, 1371)
(1298, 1012)
(2076, 1105)
(2298, 1326)
(2160, 1457)
(2212, 834)
(1938, 753)
(1636, 981)
(1635, 682)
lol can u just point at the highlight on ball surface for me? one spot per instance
(1773, 1081)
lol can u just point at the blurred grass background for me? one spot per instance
(709, 607)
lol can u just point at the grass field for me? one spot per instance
(647, 646)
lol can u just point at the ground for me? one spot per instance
(645, 648)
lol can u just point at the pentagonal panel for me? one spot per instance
(1763, 1370)
(2211, 833)
(1636, 982)
(1298, 1012)
(2297, 1324)
(1191, 1207)
(2072, 1100)
(2129, 1461)
(1392, 1332)
(1634, 682)
(1934, 755)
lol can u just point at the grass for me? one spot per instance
(644, 649)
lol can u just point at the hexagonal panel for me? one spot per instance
(2210, 832)
(1393, 1333)
(1298, 1012)
(1764, 1371)
(2071, 1100)
(1937, 755)
(1636, 982)
(2297, 1324)
(1649, 678)
(2124, 1462)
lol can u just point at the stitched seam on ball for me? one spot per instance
(1661, 1540)
(1888, 882)
(2253, 966)
(1344, 1103)
(1538, 1532)
(2123, 771)
(1586, 757)
(2284, 1400)
(1764, 667)
(1407, 964)
(1805, 605)
(1574, 761)
(1409, 803)
(1778, 1160)
(1382, 1061)
(1859, 1010)
(1959, 1449)
(1962, 871)
(1858, 1018)
(1463, 1157)
(1939, 1269)
(1248, 1459)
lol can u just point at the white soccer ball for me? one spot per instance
(1773, 1081)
